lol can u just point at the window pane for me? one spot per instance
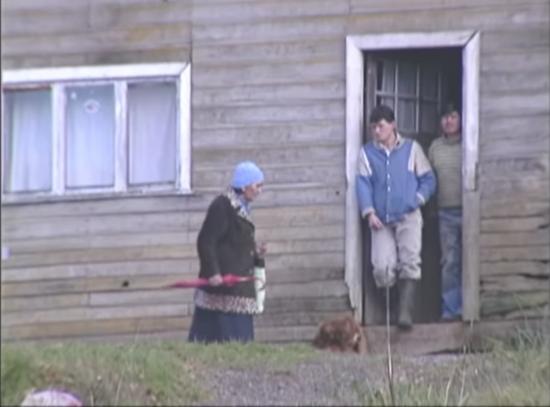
(388, 101)
(152, 129)
(406, 114)
(28, 141)
(407, 79)
(385, 74)
(428, 83)
(444, 89)
(90, 136)
(429, 118)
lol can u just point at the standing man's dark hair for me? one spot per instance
(449, 108)
(381, 112)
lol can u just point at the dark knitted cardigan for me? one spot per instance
(226, 245)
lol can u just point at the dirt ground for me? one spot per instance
(329, 379)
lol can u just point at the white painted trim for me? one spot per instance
(184, 128)
(374, 42)
(2, 143)
(58, 142)
(95, 194)
(355, 46)
(87, 73)
(121, 136)
(355, 67)
(471, 195)
(470, 113)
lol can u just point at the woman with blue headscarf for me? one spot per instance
(226, 245)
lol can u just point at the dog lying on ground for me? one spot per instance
(342, 335)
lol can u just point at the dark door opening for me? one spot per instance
(415, 84)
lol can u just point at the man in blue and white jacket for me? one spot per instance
(394, 180)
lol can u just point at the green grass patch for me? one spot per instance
(175, 373)
(100, 374)
(519, 372)
(151, 373)
(515, 372)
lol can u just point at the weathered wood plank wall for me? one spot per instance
(268, 84)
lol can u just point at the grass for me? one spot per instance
(511, 373)
(100, 374)
(153, 373)
(521, 372)
(172, 373)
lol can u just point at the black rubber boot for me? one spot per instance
(407, 289)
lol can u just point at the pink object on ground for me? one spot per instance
(51, 397)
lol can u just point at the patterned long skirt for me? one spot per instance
(216, 326)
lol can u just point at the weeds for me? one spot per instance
(99, 374)
(515, 372)
(133, 374)
(521, 372)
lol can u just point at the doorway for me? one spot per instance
(451, 63)
(416, 84)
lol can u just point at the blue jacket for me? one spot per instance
(394, 182)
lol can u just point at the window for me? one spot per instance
(413, 89)
(78, 131)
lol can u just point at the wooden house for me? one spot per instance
(122, 119)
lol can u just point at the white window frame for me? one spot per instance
(59, 78)
(356, 46)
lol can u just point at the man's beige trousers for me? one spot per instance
(396, 250)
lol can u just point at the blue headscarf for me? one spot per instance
(246, 173)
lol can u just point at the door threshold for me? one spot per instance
(434, 337)
(440, 337)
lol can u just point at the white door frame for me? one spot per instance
(356, 45)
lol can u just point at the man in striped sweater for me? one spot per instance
(445, 154)
(394, 180)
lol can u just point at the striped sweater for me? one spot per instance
(446, 157)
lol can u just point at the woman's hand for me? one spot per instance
(215, 280)
(261, 249)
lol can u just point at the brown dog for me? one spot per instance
(341, 334)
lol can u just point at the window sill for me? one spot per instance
(12, 200)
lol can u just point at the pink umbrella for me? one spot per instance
(228, 279)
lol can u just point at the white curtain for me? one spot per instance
(152, 130)
(90, 136)
(28, 140)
